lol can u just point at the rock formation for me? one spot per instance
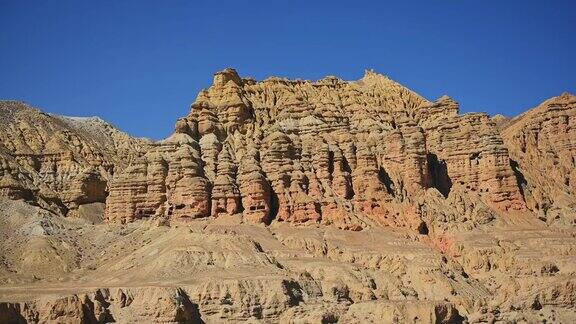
(60, 161)
(350, 154)
(292, 201)
(542, 145)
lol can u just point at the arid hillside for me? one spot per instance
(292, 201)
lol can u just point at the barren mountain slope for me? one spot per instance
(292, 201)
(542, 143)
(59, 161)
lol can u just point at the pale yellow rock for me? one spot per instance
(294, 202)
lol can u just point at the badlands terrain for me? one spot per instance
(292, 201)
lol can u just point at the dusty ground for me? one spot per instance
(56, 268)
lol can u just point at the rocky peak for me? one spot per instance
(228, 74)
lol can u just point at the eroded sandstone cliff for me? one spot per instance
(349, 154)
(59, 162)
(542, 145)
(291, 201)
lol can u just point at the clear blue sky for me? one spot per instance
(139, 64)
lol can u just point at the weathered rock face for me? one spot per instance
(106, 306)
(167, 181)
(413, 212)
(468, 150)
(59, 161)
(542, 145)
(350, 154)
(59, 269)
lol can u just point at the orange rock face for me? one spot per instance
(292, 201)
(542, 145)
(350, 154)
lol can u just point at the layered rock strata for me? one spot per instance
(542, 145)
(60, 161)
(352, 154)
(408, 211)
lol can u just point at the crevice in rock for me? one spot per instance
(346, 165)
(346, 168)
(351, 193)
(305, 184)
(274, 204)
(240, 206)
(520, 179)
(318, 208)
(438, 171)
(330, 164)
(385, 179)
(188, 312)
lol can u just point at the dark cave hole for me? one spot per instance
(438, 171)
(318, 208)
(423, 228)
(144, 213)
(350, 193)
(384, 178)
(306, 184)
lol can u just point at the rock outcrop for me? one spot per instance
(542, 145)
(59, 161)
(350, 154)
(292, 201)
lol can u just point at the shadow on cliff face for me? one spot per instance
(11, 313)
(274, 205)
(188, 312)
(438, 171)
(348, 171)
(520, 179)
(385, 179)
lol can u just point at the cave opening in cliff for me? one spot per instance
(385, 179)
(423, 228)
(438, 171)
